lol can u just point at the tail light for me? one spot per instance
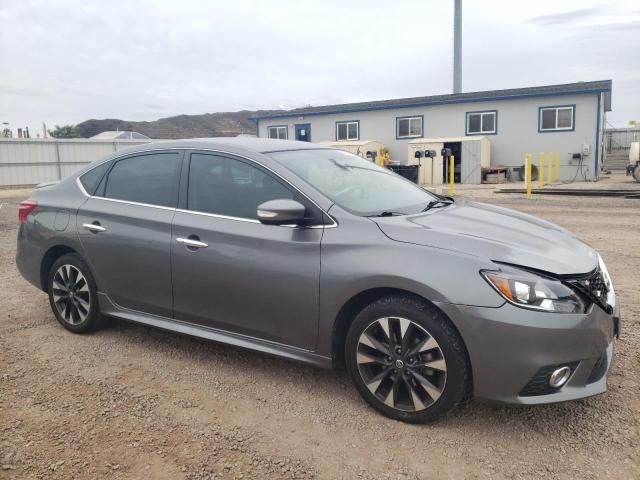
(25, 208)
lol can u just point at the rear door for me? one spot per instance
(125, 230)
(245, 277)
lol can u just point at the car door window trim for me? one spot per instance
(184, 150)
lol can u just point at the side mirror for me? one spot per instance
(281, 212)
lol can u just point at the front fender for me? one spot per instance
(350, 267)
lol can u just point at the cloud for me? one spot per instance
(572, 16)
(70, 60)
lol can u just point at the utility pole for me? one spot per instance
(457, 46)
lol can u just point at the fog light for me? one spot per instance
(559, 377)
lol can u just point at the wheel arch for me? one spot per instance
(50, 256)
(358, 302)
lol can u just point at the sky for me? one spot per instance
(65, 61)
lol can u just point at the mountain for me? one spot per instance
(223, 124)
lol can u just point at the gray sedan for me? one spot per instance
(317, 255)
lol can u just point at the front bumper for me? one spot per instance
(508, 346)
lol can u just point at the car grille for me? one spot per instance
(594, 287)
(539, 384)
(599, 369)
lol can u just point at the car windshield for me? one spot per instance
(355, 184)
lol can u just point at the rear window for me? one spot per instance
(151, 179)
(91, 179)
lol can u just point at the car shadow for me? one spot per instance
(555, 420)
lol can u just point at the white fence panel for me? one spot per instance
(25, 162)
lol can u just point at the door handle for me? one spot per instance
(94, 227)
(191, 243)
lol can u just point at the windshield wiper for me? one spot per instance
(386, 214)
(440, 202)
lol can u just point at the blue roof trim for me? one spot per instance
(486, 96)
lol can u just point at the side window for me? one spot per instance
(409, 127)
(552, 119)
(151, 179)
(279, 132)
(91, 179)
(348, 130)
(229, 187)
(481, 123)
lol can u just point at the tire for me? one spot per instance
(636, 173)
(423, 382)
(72, 294)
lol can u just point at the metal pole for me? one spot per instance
(541, 171)
(451, 174)
(528, 173)
(457, 46)
(57, 142)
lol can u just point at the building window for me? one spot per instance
(553, 119)
(349, 130)
(279, 132)
(482, 123)
(409, 127)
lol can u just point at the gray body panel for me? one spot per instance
(280, 290)
(495, 233)
(131, 258)
(253, 279)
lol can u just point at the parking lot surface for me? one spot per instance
(133, 402)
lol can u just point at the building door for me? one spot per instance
(303, 132)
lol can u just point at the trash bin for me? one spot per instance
(410, 172)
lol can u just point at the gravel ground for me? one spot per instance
(132, 402)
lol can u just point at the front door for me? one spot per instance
(303, 132)
(243, 276)
(125, 231)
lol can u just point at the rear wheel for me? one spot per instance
(406, 360)
(72, 294)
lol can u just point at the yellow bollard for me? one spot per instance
(528, 162)
(550, 175)
(451, 177)
(541, 171)
(557, 166)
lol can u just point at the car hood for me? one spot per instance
(496, 233)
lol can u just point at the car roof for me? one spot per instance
(233, 144)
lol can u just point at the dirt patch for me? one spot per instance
(133, 402)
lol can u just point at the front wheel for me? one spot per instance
(406, 359)
(72, 294)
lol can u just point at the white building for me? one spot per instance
(120, 135)
(567, 119)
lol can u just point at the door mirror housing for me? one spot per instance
(281, 212)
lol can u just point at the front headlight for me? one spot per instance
(528, 290)
(611, 295)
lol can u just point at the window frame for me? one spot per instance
(468, 132)
(557, 108)
(106, 164)
(317, 216)
(347, 123)
(101, 190)
(409, 118)
(276, 127)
